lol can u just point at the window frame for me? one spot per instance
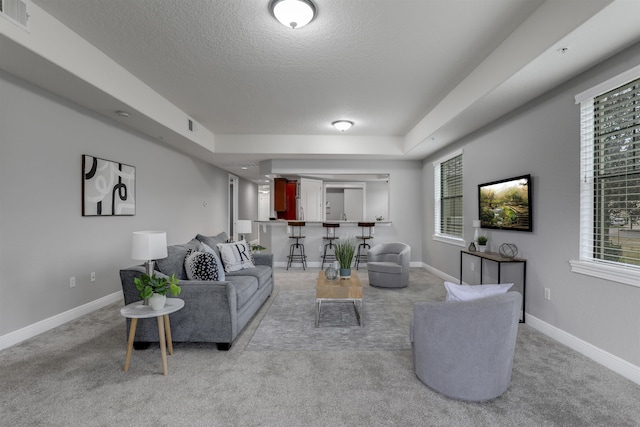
(438, 234)
(586, 264)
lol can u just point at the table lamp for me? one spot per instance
(148, 246)
(243, 227)
(476, 224)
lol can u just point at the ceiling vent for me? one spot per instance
(15, 11)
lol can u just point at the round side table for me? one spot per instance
(136, 310)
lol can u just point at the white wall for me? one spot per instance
(44, 240)
(543, 139)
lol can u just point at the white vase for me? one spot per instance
(482, 248)
(157, 301)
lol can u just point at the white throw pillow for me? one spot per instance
(457, 292)
(236, 256)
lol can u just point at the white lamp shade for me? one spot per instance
(243, 226)
(476, 223)
(149, 245)
(293, 13)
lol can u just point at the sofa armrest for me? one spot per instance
(263, 259)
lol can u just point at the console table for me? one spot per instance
(499, 259)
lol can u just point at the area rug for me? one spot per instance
(289, 325)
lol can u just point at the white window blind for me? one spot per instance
(448, 197)
(610, 177)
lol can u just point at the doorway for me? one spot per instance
(233, 207)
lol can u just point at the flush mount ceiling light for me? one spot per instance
(293, 13)
(342, 125)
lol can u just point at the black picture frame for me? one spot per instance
(506, 204)
(108, 187)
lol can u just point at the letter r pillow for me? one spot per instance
(236, 256)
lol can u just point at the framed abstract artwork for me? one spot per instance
(108, 188)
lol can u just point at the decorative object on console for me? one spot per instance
(482, 243)
(472, 246)
(345, 250)
(508, 250)
(108, 188)
(476, 225)
(149, 246)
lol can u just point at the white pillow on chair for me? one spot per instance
(457, 292)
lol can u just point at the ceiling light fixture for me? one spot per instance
(293, 13)
(342, 125)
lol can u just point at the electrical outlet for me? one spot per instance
(72, 282)
(320, 249)
(547, 294)
(93, 276)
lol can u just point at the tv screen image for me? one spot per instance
(506, 204)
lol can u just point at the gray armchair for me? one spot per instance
(465, 349)
(388, 265)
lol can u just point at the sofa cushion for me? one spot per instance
(236, 256)
(246, 287)
(457, 292)
(216, 254)
(212, 241)
(261, 272)
(174, 262)
(201, 265)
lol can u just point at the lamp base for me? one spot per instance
(149, 265)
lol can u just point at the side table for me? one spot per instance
(136, 310)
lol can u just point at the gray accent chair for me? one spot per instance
(465, 349)
(388, 265)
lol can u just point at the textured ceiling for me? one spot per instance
(231, 66)
(413, 75)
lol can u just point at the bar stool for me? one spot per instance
(296, 233)
(367, 230)
(330, 235)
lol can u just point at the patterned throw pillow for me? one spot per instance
(200, 265)
(236, 256)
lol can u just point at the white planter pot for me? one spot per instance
(482, 248)
(157, 301)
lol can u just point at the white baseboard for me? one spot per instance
(608, 360)
(37, 328)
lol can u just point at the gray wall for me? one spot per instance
(44, 240)
(543, 138)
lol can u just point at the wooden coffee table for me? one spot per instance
(339, 290)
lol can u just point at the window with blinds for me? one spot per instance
(610, 175)
(448, 195)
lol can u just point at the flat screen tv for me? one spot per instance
(506, 204)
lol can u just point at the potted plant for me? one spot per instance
(257, 248)
(155, 289)
(482, 243)
(345, 250)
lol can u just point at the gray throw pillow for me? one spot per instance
(174, 262)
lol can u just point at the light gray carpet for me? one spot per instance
(290, 325)
(72, 376)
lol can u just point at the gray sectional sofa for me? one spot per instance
(214, 311)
